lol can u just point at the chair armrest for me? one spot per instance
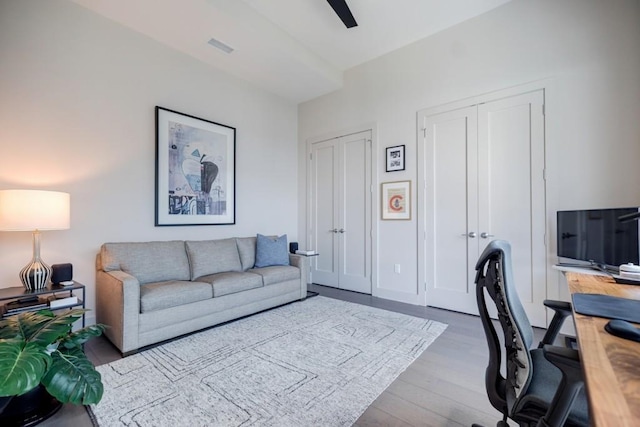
(558, 306)
(568, 361)
(296, 260)
(562, 357)
(562, 309)
(118, 306)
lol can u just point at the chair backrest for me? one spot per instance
(494, 273)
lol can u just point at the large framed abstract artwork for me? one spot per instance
(195, 170)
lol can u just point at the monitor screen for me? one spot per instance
(599, 236)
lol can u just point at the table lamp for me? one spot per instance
(34, 210)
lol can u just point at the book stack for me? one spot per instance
(35, 303)
(306, 253)
(25, 304)
(59, 302)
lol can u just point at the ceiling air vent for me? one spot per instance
(218, 44)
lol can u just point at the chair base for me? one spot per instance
(500, 424)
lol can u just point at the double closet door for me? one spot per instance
(340, 212)
(483, 171)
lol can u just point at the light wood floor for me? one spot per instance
(443, 387)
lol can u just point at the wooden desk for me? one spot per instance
(611, 365)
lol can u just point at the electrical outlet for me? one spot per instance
(396, 268)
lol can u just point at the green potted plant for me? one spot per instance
(38, 352)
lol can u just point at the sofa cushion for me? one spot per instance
(232, 282)
(277, 274)
(247, 251)
(161, 295)
(213, 256)
(271, 251)
(147, 261)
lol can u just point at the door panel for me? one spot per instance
(511, 190)
(356, 214)
(341, 212)
(323, 210)
(483, 168)
(448, 185)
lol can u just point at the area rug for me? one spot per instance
(318, 362)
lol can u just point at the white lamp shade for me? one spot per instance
(28, 210)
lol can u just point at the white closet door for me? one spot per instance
(483, 169)
(324, 212)
(451, 209)
(511, 191)
(341, 212)
(355, 213)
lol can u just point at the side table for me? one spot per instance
(309, 293)
(20, 293)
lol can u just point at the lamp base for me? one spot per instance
(35, 275)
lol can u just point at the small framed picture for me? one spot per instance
(395, 158)
(396, 200)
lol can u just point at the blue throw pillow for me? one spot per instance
(271, 251)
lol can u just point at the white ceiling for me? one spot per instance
(297, 49)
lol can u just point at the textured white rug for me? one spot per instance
(318, 362)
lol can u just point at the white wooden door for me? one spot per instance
(451, 208)
(324, 212)
(483, 170)
(340, 226)
(511, 191)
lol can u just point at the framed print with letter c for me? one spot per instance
(396, 200)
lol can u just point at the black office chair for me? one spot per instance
(543, 386)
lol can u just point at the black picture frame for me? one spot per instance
(195, 170)
(395, 158)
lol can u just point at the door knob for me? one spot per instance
(471, 234)
(484, 235)
(335, 230)
(342, 230)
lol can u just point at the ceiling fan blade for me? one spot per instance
(343, 12)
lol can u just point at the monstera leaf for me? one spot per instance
(72, 378)
(22, 366)
(77, 338)
(40, 348)
(42, 327)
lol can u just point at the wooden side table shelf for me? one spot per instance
(8, 295)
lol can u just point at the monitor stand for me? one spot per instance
(593, 266)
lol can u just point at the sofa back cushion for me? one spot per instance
(212, 256)
(247, 250)
(147, 261)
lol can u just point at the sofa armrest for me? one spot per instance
(302, 263)
(118, 306)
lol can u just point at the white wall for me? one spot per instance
(590, 52)
(77, 98)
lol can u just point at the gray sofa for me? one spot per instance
(148, 292)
